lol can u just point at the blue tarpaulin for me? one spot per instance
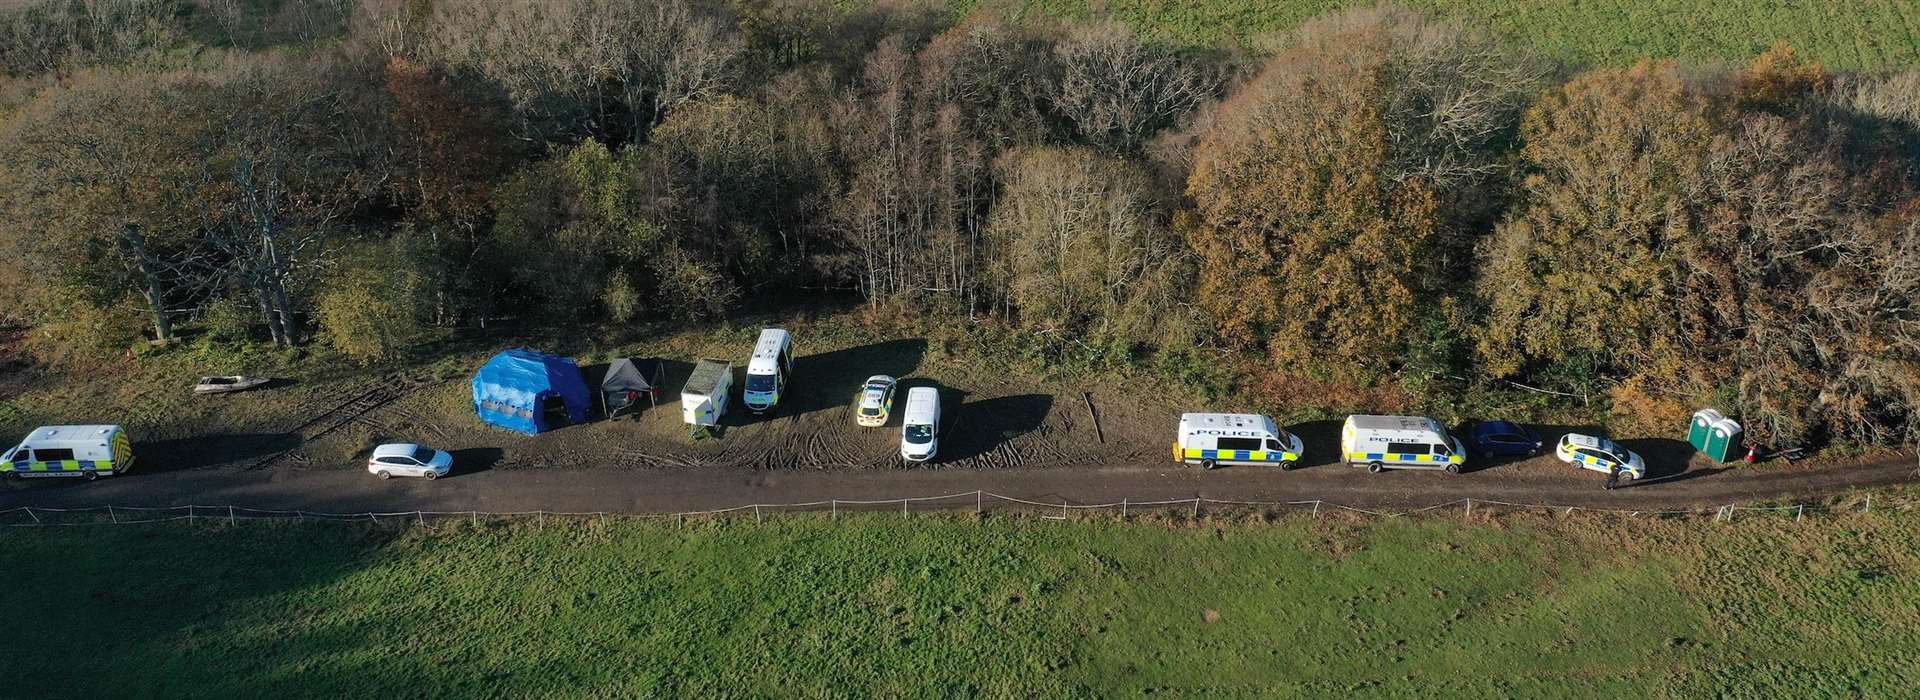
(510, 390)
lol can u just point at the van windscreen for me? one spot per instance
(760, 382)
(919, 434)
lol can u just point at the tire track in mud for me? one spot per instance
(352, 411)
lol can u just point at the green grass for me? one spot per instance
(1515, 606)
(1840, 33)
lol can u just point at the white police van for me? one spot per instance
(1400, 442)
(767, 370)
(1213, 439)
(85, 451)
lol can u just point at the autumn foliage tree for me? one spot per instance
(1697, 242)
(1318, 194)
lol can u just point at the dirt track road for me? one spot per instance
(679, 490)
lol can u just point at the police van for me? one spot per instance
(1400, 442)
(87, 451)
(767, 370)
(1213, 439)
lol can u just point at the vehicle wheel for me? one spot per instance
(1453, 468)
(1286, 466)
(93, 475)
(431, 475)
(1208, 464)
(383, 474)
(1376, 467)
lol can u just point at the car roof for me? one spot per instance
(1498, 426)
(1588, 441)
(880, 379)
(398, 449)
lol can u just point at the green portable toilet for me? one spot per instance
(1724, 441)
(1701, 426)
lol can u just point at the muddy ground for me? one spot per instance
(321, 422)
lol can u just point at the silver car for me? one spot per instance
(407, 459)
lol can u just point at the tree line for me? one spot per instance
(1373, 196)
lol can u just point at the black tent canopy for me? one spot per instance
(626, 382)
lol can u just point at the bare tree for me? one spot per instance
(1118, 91)
(643, 57)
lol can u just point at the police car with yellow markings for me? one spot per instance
(85, 451)
(1213, 439)
(1601, 455)
(1400, 442)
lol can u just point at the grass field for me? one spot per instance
(1840, 33)
(1509, 606)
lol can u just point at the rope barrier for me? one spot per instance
(1723, 513)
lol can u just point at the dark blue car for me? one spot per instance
(1499, 438)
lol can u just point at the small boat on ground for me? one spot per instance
(227, 385)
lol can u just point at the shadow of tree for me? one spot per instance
(974, 428)
(832, 379)
(204, 451)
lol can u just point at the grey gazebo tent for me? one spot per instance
(627, 381)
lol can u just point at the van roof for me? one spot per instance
(72, 432)
(768, 346)
(1407, 423)
(922, 403)
(1237, 421)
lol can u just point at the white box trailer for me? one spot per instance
(88, 451)
(703, 400)
(1400, 442)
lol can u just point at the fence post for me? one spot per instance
(835, 508)
(189, 515)
(1123, 508)
(1869, 503)
(475, 515)
(903, 507)
(978, 499)
(1196, 509)
(36, 518)
(420, 516)
(1316, 508)
(756, 513)
(1799, 511)
(116, 518)
(1469, 508)
(230, 518)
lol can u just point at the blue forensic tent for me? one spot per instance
(518, 389)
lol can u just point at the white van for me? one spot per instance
(1400, 442)
(767, 370)
(920, 425)
(703, 400)
(1213, 439)
(89, 451)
